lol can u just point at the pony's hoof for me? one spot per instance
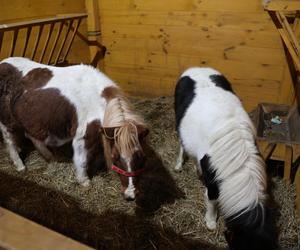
(21, 168)
(178, 168)
(211, 224)
(85, 183)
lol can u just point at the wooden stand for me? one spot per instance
(267, 152)
(280, 11)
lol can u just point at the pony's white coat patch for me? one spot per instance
(130, 190)
(13, 151)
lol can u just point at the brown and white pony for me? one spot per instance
(53, 106)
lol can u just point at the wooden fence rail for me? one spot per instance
(58, 33)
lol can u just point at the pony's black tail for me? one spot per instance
(10, 88)
(253, 229)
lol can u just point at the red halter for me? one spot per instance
(128, 174)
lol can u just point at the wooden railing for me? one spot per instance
(58, 33)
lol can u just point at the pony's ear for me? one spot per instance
(143, 131)
(107, 132)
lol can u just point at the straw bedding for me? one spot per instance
(169, 214)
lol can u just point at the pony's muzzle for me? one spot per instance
(129, 193)
(128, 198)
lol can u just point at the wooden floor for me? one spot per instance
(19, 233)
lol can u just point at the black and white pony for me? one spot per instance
(214, 127)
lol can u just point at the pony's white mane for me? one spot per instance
(240, 171)
(119, 115)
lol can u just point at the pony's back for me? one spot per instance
(81, 84)
(205, 105)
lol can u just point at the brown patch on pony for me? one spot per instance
(45, 112)
(37, 78)
(110, 93)
(94, 147)
(10, 89)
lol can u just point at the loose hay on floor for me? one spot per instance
(168, 216)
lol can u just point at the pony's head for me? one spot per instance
(254, 229)
(124, 139)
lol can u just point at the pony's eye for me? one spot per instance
(140, 160)
(115, 156)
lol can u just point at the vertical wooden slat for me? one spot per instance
(70, 23)
(14, 41)
(46, 42)
(55, 41)
(71, 40)
(1, 39)
(26, 40)
(41, 27)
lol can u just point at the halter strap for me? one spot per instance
(128, 174)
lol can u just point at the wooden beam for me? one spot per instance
(93, 23)
(17, 232)
(289, 31)
(288, 42)
(282, 5)
(44, 21)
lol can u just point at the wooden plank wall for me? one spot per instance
(18, 10)
(151, 42)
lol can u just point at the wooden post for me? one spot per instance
(93, 24)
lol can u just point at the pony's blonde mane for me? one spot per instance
(119, 115)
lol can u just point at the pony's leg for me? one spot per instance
(80, 161)
(211, 212)
(179, 161)
(42, 148)
(12, 148)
